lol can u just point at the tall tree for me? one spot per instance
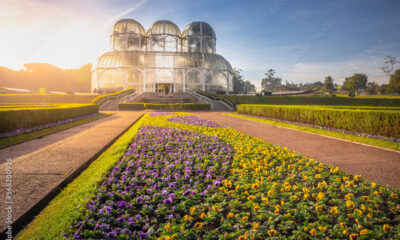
(248, 87)
(355, 82)
(373, 88)
(394, 83)
(238, 81)
(390, 61)
(271, 83)
(328, 84)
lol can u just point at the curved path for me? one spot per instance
(375, 164)
(39, 165)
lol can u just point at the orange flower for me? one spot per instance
(313, 232)
(242, 237)
(334, 210)
(364, 232)
(256, 208)
(350, 204)
(271, 232)
(387, 228)
(230, 215)
(198, 225)
(354, 236)
(245, 218)
(251, 197)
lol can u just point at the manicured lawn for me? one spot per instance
(8, 141)
(184, 177)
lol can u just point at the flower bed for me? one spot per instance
(163, 174)
(266, 191)
(194, 120)
(158, 114)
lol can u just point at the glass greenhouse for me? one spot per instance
(162, 59)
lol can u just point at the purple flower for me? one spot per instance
(167, 201)
(139, 199)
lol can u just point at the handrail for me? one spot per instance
(216, 98)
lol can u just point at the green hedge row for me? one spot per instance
(375, 122)
(15, 118)
(122, 92)
(314, 100)
(170, 106)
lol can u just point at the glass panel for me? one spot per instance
(164, 61)
(170, 44)
(194, 44)
(110, 81)
(216, 82)
(164, 76)
(193, 80)
(157, 43)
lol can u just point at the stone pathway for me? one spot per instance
(41, 164)
(375, 164)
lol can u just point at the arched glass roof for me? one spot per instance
(118, 59)
(129, 26)
(164, 27)
(198, 29)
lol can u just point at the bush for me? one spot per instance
(112, 95)
(316, 100)
(375, 122)
(170, 106)
(46, 98)
(14, 118)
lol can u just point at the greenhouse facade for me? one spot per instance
(162, 59)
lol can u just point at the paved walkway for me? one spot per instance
(41, 164)
(375, 164)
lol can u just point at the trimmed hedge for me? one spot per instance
(375, 122)
(46, 98)
(315, 100)
(122, 92)
(30, 116)
(170, 106)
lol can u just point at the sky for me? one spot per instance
(302, 40)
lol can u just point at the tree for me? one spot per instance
(373, 88)
(328, 84)
(238, 81)
(390, 62)
(248, 87)
(355, 82)
(271, 83)
(394, 83)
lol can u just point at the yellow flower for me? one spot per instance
(373, 184)
(265, 200)
(387, 227)
(198, 225)
(317, 176)
(215, 208)
(345, 232)
(192, 210)
(245, 218)
(230, 215)
(313, 232)
(334, 210)
(182, 229)
(271, 232)
(357, 212)
(168, 226)
(242, 237)
(306, 196)
(255, 186)
(334, 170)
(364, 232)
(228, 184)
(255, 225)
(167, 238)
(357, 177)
(318, 208)
(350, 204)
(202, 215)
(321, 228)
(394, 195)
(343, 225)
(320, 196)
(287, 214)
(256, 208)
(353, 236)
(251, 197)
(365, 198)
(271, 192)
(349, 196)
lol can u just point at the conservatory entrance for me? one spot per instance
(164, 88)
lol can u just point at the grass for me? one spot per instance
(350, 137)
(66, 208)
(6, 142)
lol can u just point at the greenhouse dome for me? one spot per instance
(162, 57)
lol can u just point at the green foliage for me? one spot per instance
(355, 82)
(239, 84)
(271, 83)
(317, 100)
(328, 84)
(13, 117)
(375, 122)
(170, 106)
(46, 98)
(119, 93)
(65, 209)
(394, 83)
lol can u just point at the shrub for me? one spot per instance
(14, 118)
(375, 122)
(112, 95)
(170, 106)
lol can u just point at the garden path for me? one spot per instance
(40, 165)
(372, 163)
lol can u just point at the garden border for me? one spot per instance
(29, 215)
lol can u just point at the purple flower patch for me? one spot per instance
(163, 173)
(194, 120)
